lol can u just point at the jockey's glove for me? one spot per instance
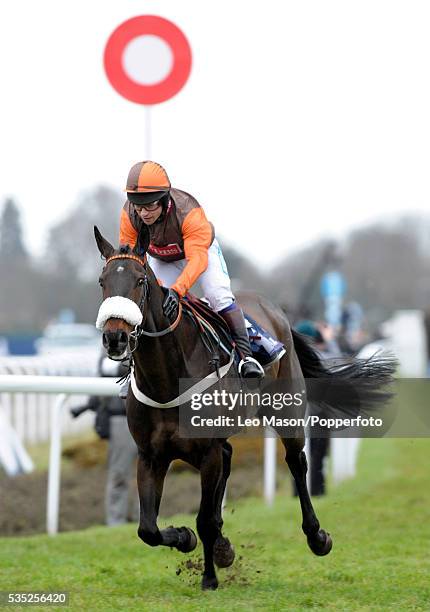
(171, 303)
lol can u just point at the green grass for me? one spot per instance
(380, 523)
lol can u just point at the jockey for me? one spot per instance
(182, 250)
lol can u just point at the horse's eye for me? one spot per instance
(100, 282)
(140, 281)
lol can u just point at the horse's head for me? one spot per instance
(125, 284)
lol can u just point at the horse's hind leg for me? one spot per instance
(208, 526)
(318, 540)
(223, 550)
(150, 481)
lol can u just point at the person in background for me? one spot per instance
(111, 424)
(427, 334)
(324, 342)
(122, 451)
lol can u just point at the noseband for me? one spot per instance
(138, 329)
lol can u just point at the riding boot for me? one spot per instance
(248, 366)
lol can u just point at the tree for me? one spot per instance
(243, 273)
(11, 241)
(295, 282)
(71, 250)
(15, 272)
(384, 269)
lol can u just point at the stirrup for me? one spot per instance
(250, 360)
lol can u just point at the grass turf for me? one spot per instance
(380, 524)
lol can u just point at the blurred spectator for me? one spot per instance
(122, 451)
(324, 341)
(323, 337)
(427, 333)
(111, 424)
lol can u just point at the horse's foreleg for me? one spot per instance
(319, 541)
(208, 526)
(150, 481)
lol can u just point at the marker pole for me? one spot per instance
(148, 132)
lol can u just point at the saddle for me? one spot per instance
(265, 349)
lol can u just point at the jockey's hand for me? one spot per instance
(171, 303)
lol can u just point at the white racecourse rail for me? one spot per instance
(29, 413)
(61, 387)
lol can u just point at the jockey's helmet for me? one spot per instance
(147, 182)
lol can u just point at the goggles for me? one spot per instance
(149, 200)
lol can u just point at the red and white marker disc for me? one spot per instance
(147, 59)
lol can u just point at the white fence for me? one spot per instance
(29, 413)
(61, 387)
(407, 340)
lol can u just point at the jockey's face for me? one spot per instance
(149, 214)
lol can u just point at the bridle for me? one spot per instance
(138, 330)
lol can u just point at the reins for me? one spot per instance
(207, 338)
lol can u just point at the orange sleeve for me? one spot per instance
(197, 233)
(127, 233)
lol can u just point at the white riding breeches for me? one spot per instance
(214, 281)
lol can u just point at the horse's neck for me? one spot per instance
(161, 359)
(155, 318)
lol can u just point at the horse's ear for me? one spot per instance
(142, 242)
(105, 247)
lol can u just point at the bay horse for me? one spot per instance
(131, 316)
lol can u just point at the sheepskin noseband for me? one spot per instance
(118, 307)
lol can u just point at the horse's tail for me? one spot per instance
(351, 386)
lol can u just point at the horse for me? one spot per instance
(164, 350)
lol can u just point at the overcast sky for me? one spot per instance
(299, 120)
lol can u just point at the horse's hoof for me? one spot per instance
(209, 584)
(188, 540)
(223, 552)
(320, 544)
